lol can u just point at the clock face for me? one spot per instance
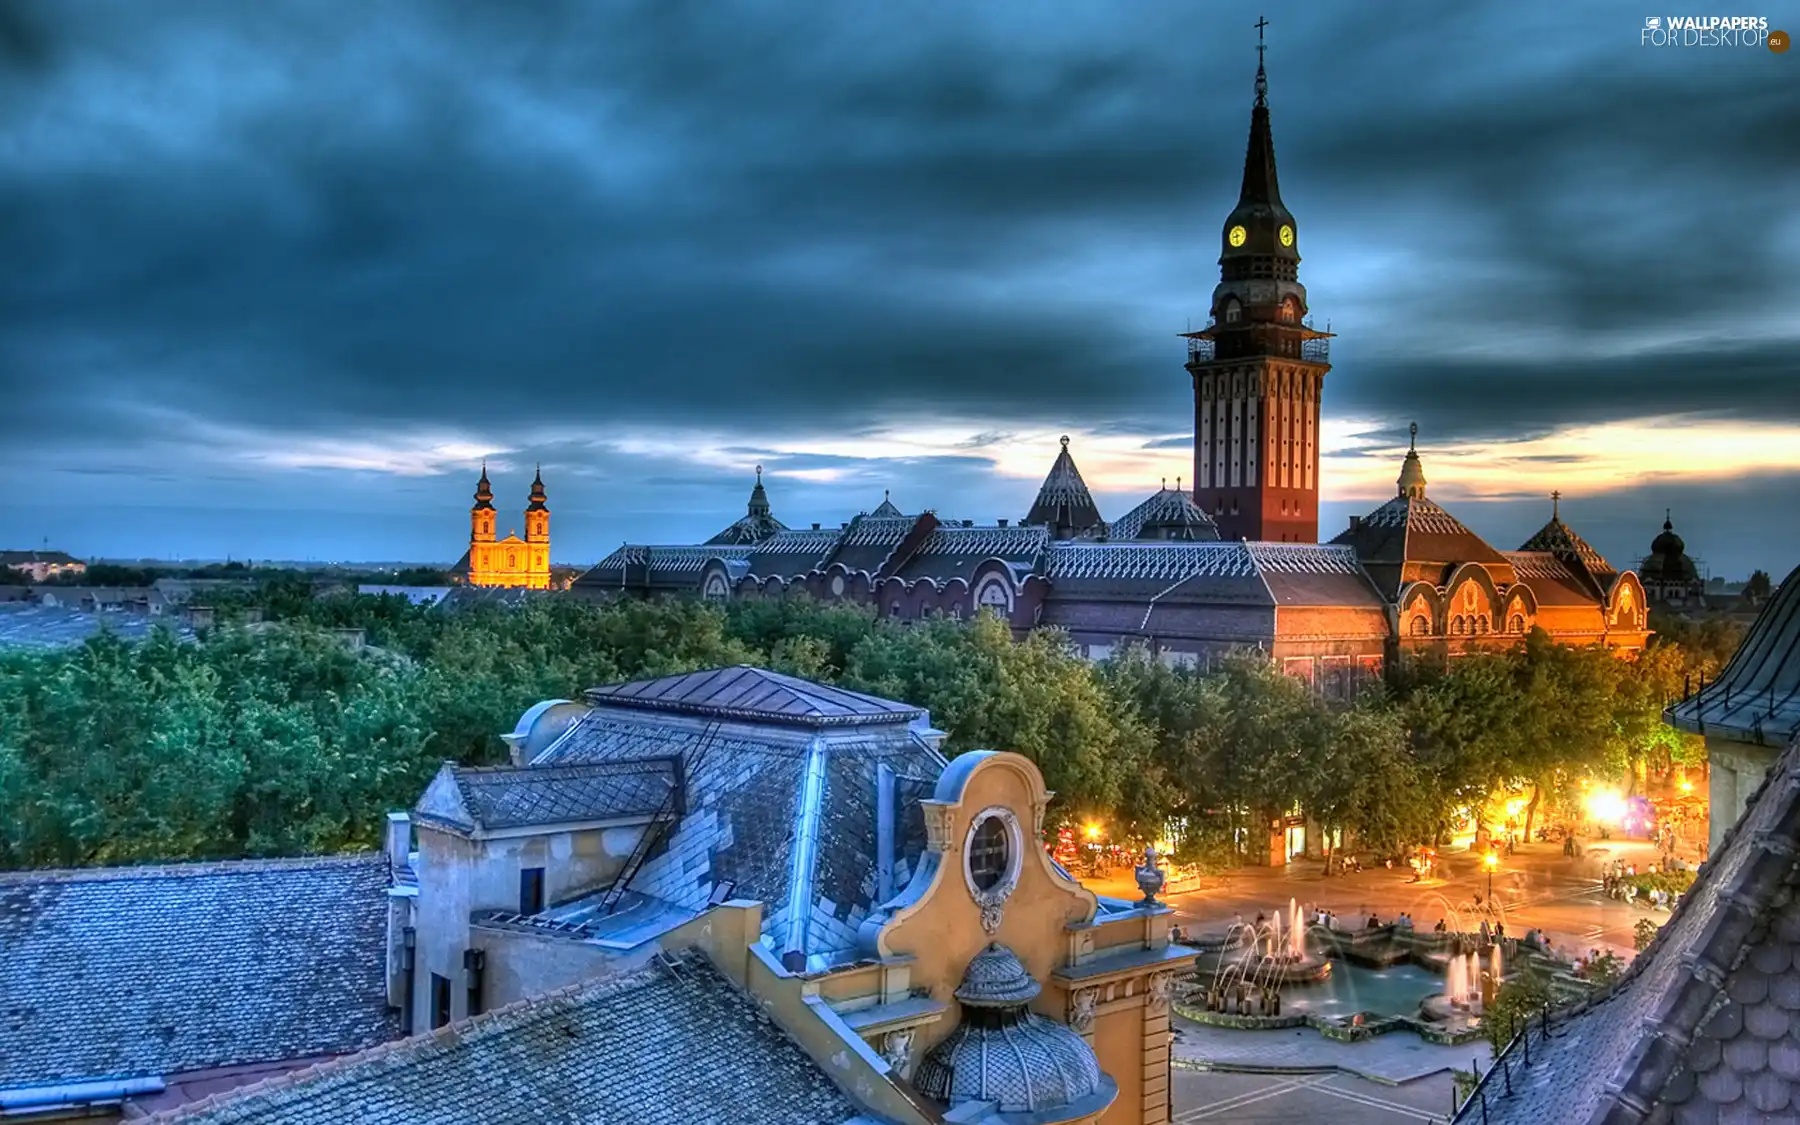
(1237, 236)
(1287, 235)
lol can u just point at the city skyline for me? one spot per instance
(284, 307)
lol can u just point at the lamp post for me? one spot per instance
(1492, 860)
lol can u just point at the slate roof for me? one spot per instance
(1757, 695)
(953, 551)
(1704, 1026)
(1168, 514)
(122, 972)
(868, 542)
(886, 508)
(493, 798)
(30, 625)
(653, 1047)
(26, 558)
(1550, 579)
(779, 802)
(1064, 503)
(1560, 539)
(792, 553)
(746, 692)
(677, 567)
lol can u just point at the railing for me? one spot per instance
(1200, 351)
(1319, 351)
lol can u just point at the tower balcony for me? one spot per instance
(1201, 351)
(1315, 350)
(1318, 349)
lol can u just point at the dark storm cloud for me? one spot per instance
(257, 223)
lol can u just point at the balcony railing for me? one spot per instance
(1200, 351)
(1319, 350)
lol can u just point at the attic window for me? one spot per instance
(1232, 312)
(531, 890)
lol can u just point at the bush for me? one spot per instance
(1520, 999)
(1673, 882)
(1643, 934)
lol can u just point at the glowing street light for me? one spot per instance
(1093, 831)
(1491, 860)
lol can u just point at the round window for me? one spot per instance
(989, 853)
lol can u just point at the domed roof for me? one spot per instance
(1668, 559)
(1004, 1054)
(996, 978)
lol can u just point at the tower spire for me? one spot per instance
(1412, 471)
(1262, 78)
(1556, 505)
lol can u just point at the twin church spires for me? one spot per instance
(1258, 367)
(512, 561)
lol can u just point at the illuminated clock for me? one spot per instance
(1287, 235)
(1237, 236)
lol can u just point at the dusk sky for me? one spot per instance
(279, 275)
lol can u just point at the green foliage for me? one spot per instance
(1759, 586)
(1643, 933)
(1604, 969)
(269, 736)
(1672, 882)
(1523, 997)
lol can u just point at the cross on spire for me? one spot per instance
(1412, 445)
(1556, 505)
(1262, 79)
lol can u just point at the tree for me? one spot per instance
(1758, 588)
(1524, 997)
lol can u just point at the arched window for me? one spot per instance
(1516, 625)
(1481, 624)
(1456, 625)
(1421, 627)
(1290, 311)
(1233, 312)
(894, 609)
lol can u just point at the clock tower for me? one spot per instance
(1259, 366)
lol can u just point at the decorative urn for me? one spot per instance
(1150, 877)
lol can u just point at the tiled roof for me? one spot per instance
(1304, 558)
(500, 797)
(121, 972)
(25, 558)
(1411, 538)
(952, 551)
(682, 563)
(30, 625)
(887, 509)
(1560, 539)
(748, 529)
(656, 1047)
(1705, 1024)
(1757, 695)
(757, 794)
(1064, 502)
(757, 694)
(1166, 561)
(1537, 564)
(793, 553)
(1169, 513)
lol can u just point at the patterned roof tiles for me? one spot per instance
(1537, 564)
(1304, 558)
(1559, 538)
(654, 1047)
(1168, 513)
(754, 693)
(1165, 561)
(1063, 502)
(876, 531)
(501, 797)
(1416, 513)
(123, 972)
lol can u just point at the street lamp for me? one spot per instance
(1492, 860)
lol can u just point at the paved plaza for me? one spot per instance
(1536, 887)
(1253, 1077)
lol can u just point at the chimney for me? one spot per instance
(968, 523)
(815, 527)
(1002, 523)
(1355, 522)
(399, 843)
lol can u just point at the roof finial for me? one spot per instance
(1412, 446)
(1165, 484)
(1669, 524)
(1177, 484)
(886, 494)
(1556, 505)
(1262, 79)
(1065, 441)
(759, 474)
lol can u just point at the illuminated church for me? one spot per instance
(1233, 562)
(512, 562)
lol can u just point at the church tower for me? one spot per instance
(1258, 366)
(481, 514)
(537, 532)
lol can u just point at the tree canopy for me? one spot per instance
(274, 737)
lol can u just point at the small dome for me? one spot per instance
(1004, 1054)
(1668, 543)
(996, 979)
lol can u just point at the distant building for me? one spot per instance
(1408, 577)
(1668, 574)
(42, 566)
(511, 562)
